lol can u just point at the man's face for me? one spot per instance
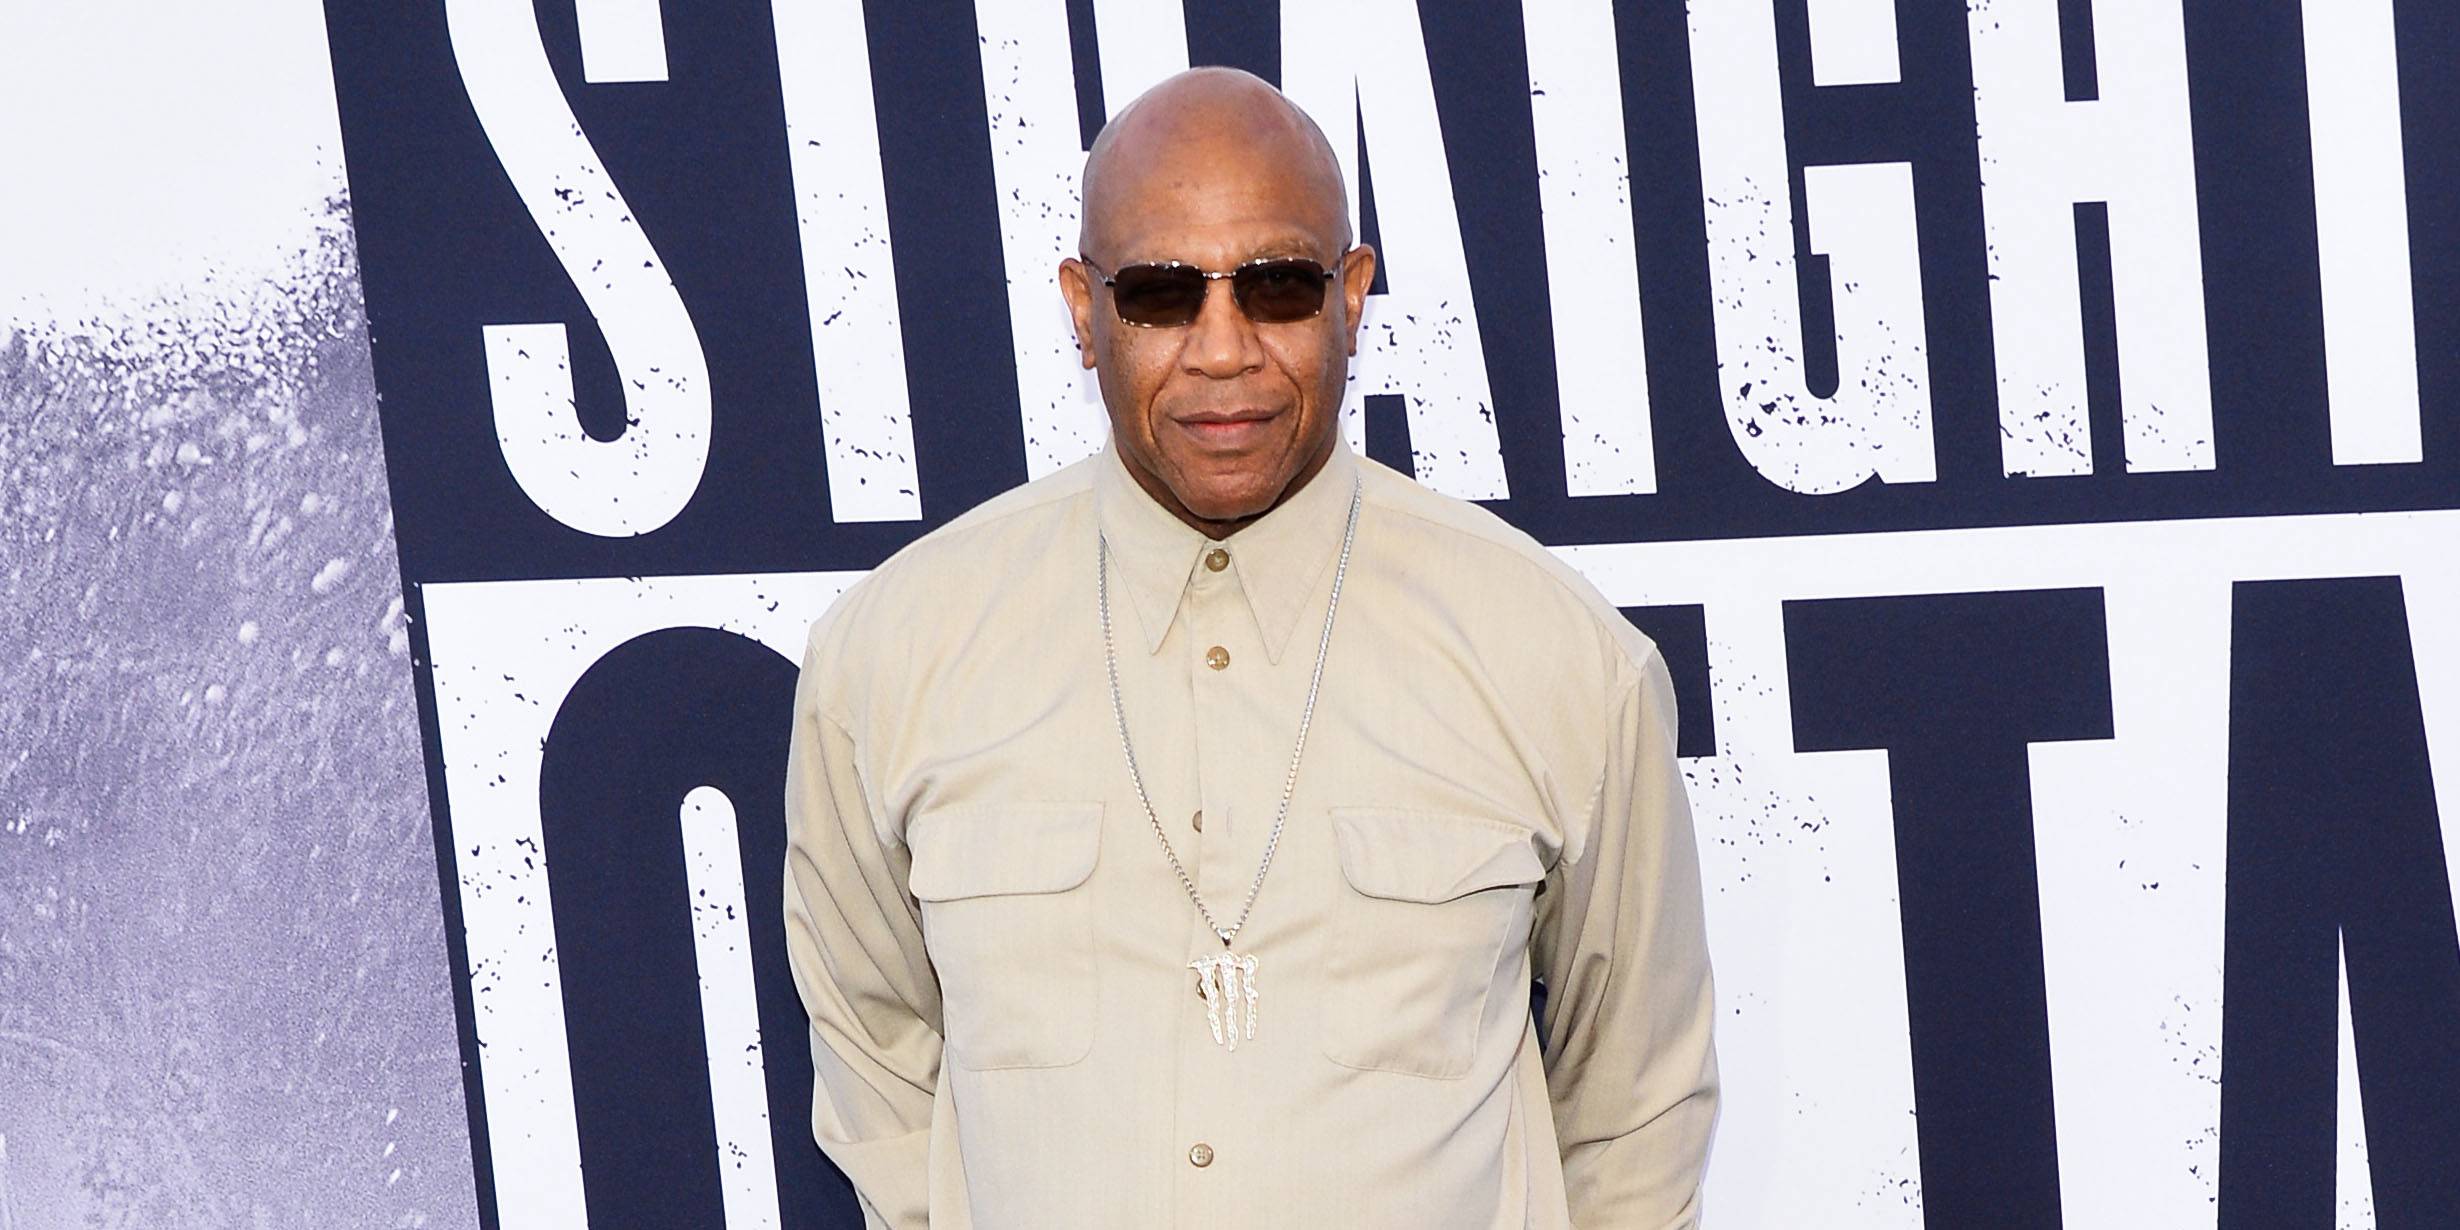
(1217, 418)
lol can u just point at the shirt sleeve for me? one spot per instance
(854, 939)
(1620, 945)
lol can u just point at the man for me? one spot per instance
(1173, 839)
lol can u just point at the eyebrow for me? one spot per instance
(1286, 245)
(1295, 245)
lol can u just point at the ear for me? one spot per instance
(1076, 286)
(1357, 274)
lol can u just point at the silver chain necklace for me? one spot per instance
(1227, 980)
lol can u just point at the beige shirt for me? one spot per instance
(994, 951)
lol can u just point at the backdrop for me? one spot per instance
(2028, 427)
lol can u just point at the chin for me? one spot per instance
(1223, 509)
(1227, 501)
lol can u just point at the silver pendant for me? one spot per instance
(1228, 982)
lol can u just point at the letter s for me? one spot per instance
(638, 481)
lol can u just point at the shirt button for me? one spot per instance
(1198, 820)
(1216, 559)
(1200, 1155)
(1217, 657)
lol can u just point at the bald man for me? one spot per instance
(1173, 840)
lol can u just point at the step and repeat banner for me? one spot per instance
(2028, 427)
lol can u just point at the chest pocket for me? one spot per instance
(1435, 905)
(1008, 921)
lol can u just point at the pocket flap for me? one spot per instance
(1431, 856)
(981, 850)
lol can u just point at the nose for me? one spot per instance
(1221, 342)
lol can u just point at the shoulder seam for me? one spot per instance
(1593, 812)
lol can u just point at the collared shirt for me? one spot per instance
(994, 950)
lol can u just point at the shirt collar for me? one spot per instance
(1277, 558)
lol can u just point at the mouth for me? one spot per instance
(1228, 430)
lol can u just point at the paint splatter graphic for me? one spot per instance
(224, 997)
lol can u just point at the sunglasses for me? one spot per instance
(1276, 290)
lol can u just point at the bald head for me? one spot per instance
(1192, 132)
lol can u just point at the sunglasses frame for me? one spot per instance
(1331, 273)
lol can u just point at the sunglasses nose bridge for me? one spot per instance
(1221, 341)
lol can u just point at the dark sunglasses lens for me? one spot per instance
(1278, 292)
(1157, 294)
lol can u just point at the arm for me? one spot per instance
(854, 939)
(1620, 945)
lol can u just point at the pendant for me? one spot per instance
(1228, 982)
